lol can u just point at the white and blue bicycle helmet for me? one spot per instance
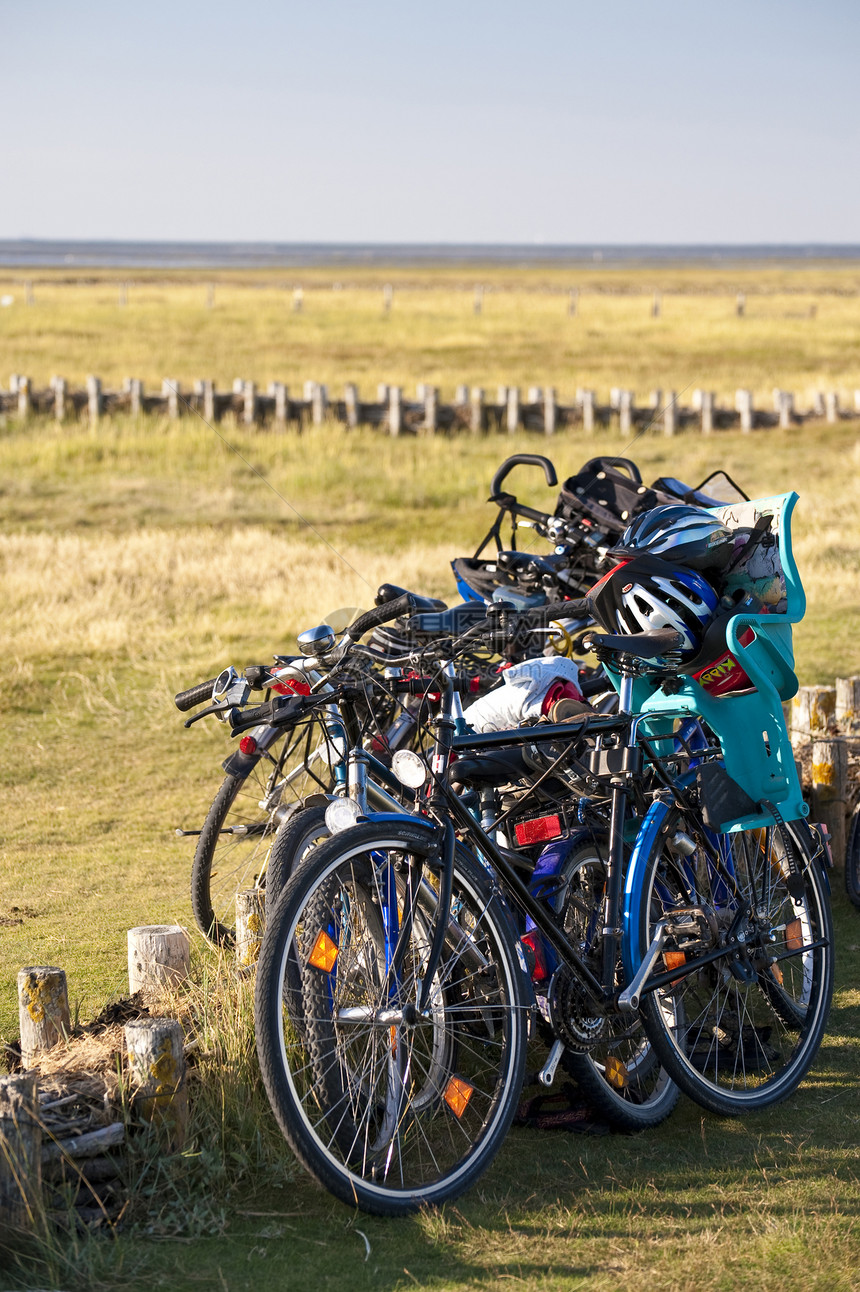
(680, 533)
(638, 595)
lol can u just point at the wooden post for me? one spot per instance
(740, 305)
(210, 296)
(478, 303)
(298, 300)
(535, 395)
(784, 401)
(382, 393)
(656, 305)
(744, 405)
(249, 411)
(158, 955)
(43, 1010)
(20, 1152)
(135, 392)
(24, 405)
(476, 417)
(625, 411)
(210, 413)
(550, 410)
(847, 709)
(461, 395)
(829, 788)
(319, 403)
(250, 919)
(818, 404)
(813, 711)
(573, 302)
(13, 384)
(156, 1065)
(387, 297)
(512, 411)
(431, 409)
(587, 401)
(170, 388)
(94, 399)
(395, 410)
(670, 413)
(831, 405)
(351, 405)
(707, 409)
(656, 400)
(60, 389)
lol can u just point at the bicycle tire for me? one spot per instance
(293, 840)
(254, 804)
(620, 1074)
(852, 859)
(341, 1085)
(741, 1032)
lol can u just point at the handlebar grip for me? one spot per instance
(525, 460)
(381, 615)
(279, 712)
(575, 609)
(185, 700)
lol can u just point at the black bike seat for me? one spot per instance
(495, 767)
(648, 645)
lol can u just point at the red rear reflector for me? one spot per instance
(291, 687)
(536, 831)
(248, 745)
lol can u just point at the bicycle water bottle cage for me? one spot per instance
(751, 726)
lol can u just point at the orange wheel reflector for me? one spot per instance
(457, 1095)
(324, 953)
(777, 973)
(674, 959)
(616, 1073)
(794, 935)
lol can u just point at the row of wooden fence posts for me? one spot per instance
(298, 297)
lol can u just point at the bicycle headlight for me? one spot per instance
(409, 769)
(341, 814)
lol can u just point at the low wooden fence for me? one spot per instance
(471, 410)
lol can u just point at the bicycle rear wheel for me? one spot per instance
(852, 859)
(619, 1072)
(389, 1108)
(233, 847)
(740, 1030)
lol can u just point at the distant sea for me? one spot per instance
(25, 253)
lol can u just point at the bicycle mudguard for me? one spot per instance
(634, 882)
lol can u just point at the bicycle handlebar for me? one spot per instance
(185, 700)
(406, 604)
(525, 460)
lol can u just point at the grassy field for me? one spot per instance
(800, 332)
(137, 558)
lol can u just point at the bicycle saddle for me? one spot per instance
(648, 645)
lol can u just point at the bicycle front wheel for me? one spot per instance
(751, 937)
(388, 1106)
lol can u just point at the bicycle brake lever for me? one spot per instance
(203, 713)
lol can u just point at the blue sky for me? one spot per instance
(470, 121)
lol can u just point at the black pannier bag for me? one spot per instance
(609, 492)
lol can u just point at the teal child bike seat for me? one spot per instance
(751, 727)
